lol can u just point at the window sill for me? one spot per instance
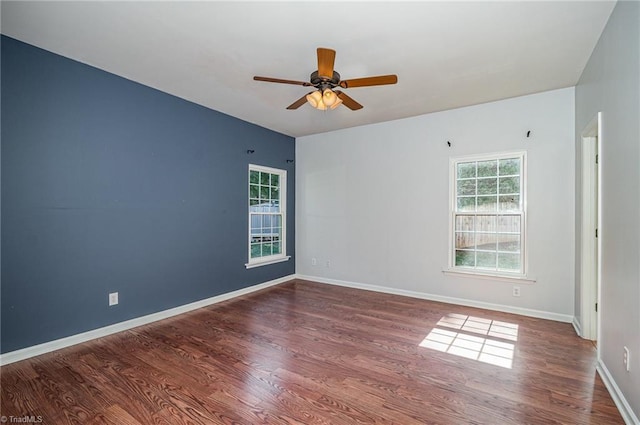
(490, 276)
(267, 262)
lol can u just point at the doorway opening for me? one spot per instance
(590, 237)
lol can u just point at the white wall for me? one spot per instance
(610, 83)
(373, 200)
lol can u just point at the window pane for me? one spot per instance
(255, 223)
(467, 187)
(465, 258)
(510, 185)
(276, 248)
(510, 262)
(465, 223)
(488, 168)
(486, 241)
(509, 224)
(275, 193)
(486, 260)
(253, 191)
(253, 203)
(266, 249)
(486, 223)
(266, 221)
(510, 243)
(510, 203)
(264, 178)
(466, 169)
(264, 193)
(275, 180)
(254, 177)
(467, 204)
(255, 250)
(510, 166)
(487, 203)
(487, 186)
(465, 240)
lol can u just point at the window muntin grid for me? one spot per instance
(488, 216)
(266, 213)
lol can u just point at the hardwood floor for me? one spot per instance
(309, 353)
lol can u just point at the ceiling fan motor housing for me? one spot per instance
(322, 82)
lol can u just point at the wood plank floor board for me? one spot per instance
(309, 353)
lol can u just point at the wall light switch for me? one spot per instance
(113, 298)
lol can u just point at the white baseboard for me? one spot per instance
(576, 326)
(449, 300)
(47, 347)
(621, 402)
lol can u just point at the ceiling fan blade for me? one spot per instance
(326, 59)
(298, 103)
(278, 80)
(347, 101)
(380, 80)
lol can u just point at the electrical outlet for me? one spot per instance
(314, 262)
(626, 359)
(113, 298)
(516, 291)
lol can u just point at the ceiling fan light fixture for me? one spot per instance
(337, 103)
(329, 97)
(315, 99)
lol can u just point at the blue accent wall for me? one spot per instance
(109, 185)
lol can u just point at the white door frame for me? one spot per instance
(590, 250)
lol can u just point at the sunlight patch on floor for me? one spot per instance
(463, 343)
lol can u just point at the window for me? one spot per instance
(267, 215)
(488, 214)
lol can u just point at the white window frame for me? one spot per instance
(520, 275)
(277, 258)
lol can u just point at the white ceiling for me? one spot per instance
(446, 54)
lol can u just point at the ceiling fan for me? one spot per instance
(325, 80)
